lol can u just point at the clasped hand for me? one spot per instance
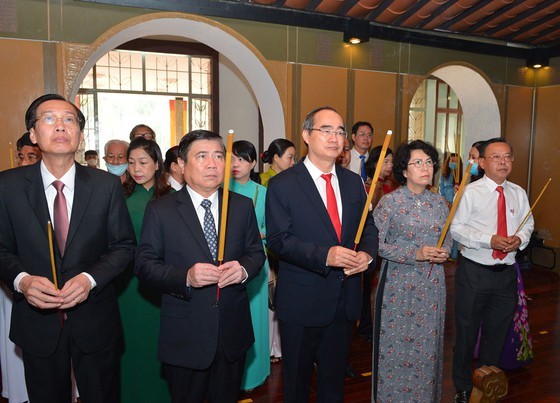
(202, 274)
(432, 254)
(41, 292)
(351, 261)
(505, 244)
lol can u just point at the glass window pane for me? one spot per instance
(200, 116)
(442, 95)
(453, 100)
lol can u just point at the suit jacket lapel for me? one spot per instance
(310, 190)
(82, 195)
(188, 213)
(35, 191)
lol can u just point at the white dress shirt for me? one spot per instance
(69, 180)
(355, 161)
(321, 184)
(200, 211)
(476, 219)
(174, 184)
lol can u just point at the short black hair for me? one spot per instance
(309, 120)
(482, 147)
(90, 153)
(25, 140)
(402, 157)
(373, 159)
(188, 139)
(246, 150)
(277, 147)
(31, 113)
(170, 157)
(358, 124)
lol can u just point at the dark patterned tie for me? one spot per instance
(363, 167)
(210, 228)
(502, 222)
(332, 207)
(60, 217)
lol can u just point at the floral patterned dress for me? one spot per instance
(409, 306)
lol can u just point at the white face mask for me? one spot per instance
(92, 162)
(117, 169)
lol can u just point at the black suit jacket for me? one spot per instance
(300, 233)
(172, 241)
(100, 242)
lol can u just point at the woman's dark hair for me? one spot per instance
(152, 149)
(446, 171)
(170, 157)
(277, 147)
(246, 150)
(402, 157)
(478, 146)
(31, 113)
(371, 162)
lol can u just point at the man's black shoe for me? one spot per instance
(461, 397)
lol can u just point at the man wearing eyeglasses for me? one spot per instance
(362, 137)
(28, 152)
(68, 320)
(486, 224)
(313, 212)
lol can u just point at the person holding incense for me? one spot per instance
(140, 306)
(244, 181)
(410, 303)
(281, 155)
(313, 213)
(202, 341)
(486, 223)
(74, 326)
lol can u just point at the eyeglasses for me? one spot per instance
(365, 134)
(497, 157)
(110, 158)
(420, 163)
(31, 157)
(329, 131)
(50, 120)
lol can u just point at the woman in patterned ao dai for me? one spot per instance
(409, 306)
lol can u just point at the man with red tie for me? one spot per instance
(313, 212)
(487, 217)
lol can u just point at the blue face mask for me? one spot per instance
(474, 168)
(117, 169)
(452, 165)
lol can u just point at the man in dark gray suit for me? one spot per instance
(202, 343)
(78, 324)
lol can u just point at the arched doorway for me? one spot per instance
(217, 36)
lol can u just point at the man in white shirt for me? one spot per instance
(362, 137)
(172, 168)
(486, 279)
(69, 319)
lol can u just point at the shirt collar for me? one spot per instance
(68, 178)
(491, 184)
(197, 197)
(316, 172)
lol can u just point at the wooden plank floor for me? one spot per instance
(538, 382)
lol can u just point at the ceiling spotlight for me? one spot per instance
(537, 60)
(356, 31)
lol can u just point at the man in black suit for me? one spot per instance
(202, 342)
(78, 324)
(313, 212)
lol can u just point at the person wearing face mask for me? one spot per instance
(245, 182)
(92, 158)
(140, 307)
(451, 176)
(476, 171)
(115, 158)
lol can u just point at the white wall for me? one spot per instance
(238, 106)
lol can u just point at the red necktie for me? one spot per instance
(502, 223)
(332, 208)
(60, 217)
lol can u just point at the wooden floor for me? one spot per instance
(538, 382)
